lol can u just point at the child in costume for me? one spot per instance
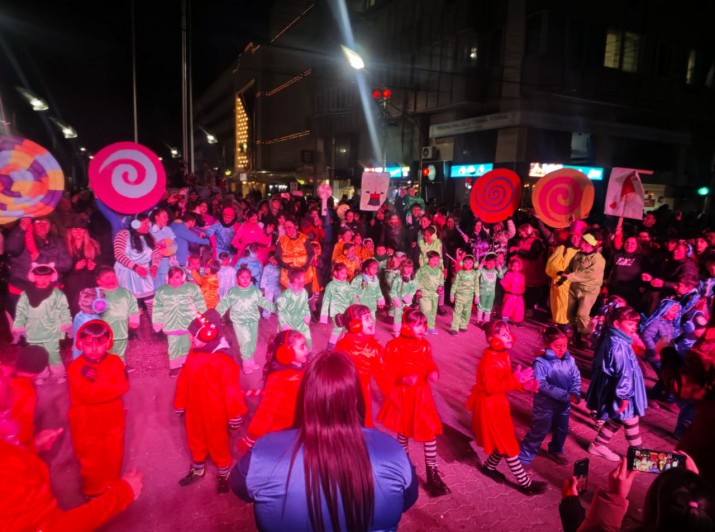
(409, 408)
(243, 301)
(282, 374)
(226, 275)
(292, 306)
(559, 388)
(43, 317)
(122, 312)
(402, 292)
(464, 292)
(209, 396)
(428, 241)
(91, 304)
(339, 295)
(349, 259)
(514, 285)
(491, 415)
(252, 263)
(656, 330)
(209, 283)
(194, 269)
(175, 306)
(367, 354)
(367, 287)
(381, 257)
(617, 390)
(270, 283)
(97, 382)
(489, 274)
(430, 282)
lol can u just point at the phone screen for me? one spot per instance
(649, 461)
(580, 471)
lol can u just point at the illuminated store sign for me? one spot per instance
(541, 169)
(469, 170)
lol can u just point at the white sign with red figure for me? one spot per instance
(625, 194)
(373, 191)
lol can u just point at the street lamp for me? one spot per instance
(37, 104)
(67, 131)
(211, 139)
(354, 59)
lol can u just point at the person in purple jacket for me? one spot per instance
(370, 479)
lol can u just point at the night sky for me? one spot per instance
(76, 55)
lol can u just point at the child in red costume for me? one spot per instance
(209, 396)
(409, 408)
(491, 416)
(97, 381)
(282, 374)
(366, 353)
(514, 285)
(30, 362)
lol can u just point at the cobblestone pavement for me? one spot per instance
(155, 445)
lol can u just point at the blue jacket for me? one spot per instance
(184, 236)
(260, 477)
(253, 265)
(654, 331)
(559, 379)
(616, 376)
(270, 279)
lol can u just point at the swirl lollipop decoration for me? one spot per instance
(495, 196)
(31, 180)
(128, 177)
(562, 195)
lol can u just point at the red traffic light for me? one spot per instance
(386, 93)
(425, 171)
(377, 94)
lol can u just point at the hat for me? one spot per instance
(590, 239)
(206, 326)
(32, 359)
(468, 257)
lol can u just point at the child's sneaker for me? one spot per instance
(222, 484)
(560, 459)
(431, 331)
(604, 452)
(453, 332)
(463, 330)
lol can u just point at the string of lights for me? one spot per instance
(283, 139)
(286, 84)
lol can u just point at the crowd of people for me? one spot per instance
(80, 282)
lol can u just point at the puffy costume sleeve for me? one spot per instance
(541, 373)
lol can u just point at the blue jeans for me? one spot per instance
(546, 418)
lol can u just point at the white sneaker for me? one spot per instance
(604, 452)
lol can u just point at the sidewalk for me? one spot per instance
(155, 445)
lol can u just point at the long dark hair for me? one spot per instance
(330, 414)
(136, 236)
(679, 499)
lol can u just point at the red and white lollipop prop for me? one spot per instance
(128, 177)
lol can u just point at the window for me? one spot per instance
(535, 42)
(622, 50)
(690, 71)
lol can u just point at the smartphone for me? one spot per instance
(580, 471)
(649, 461)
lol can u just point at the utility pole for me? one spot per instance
(134, 77)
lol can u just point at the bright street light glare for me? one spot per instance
(353, 58)
(82, 149)
(67, 131)
(37, 104)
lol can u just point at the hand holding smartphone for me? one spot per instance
(580, 471)
(649, 461)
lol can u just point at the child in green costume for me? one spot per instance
(339, 295)
(367, 287)
(292, 306)
(122, 310)
(489, 275)
(430, 281)
(243, 301)
(175, 306)
(402, 291)
(465, 289)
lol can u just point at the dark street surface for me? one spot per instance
(155, 445)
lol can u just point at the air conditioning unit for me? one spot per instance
(429, 152)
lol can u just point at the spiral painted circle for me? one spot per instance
(563, 195)
(495, 196)
(31, 180)
(127, 177)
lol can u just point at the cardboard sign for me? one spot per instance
(373, 190)
(625, 195)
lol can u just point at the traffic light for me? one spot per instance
(381, 95)
(703, 191)
(433, 172)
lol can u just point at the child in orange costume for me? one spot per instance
(208, 283)
(360, 345)
(287, 354)
(409, 408)
(97, 381)
(209, 395)
(491, 415)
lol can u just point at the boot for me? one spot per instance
(192, 477)
(222, 484)
(435, 485)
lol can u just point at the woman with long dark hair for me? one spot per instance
(361, 476)
(85, 254)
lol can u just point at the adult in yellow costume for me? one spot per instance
(559, 293)
(294, 251)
